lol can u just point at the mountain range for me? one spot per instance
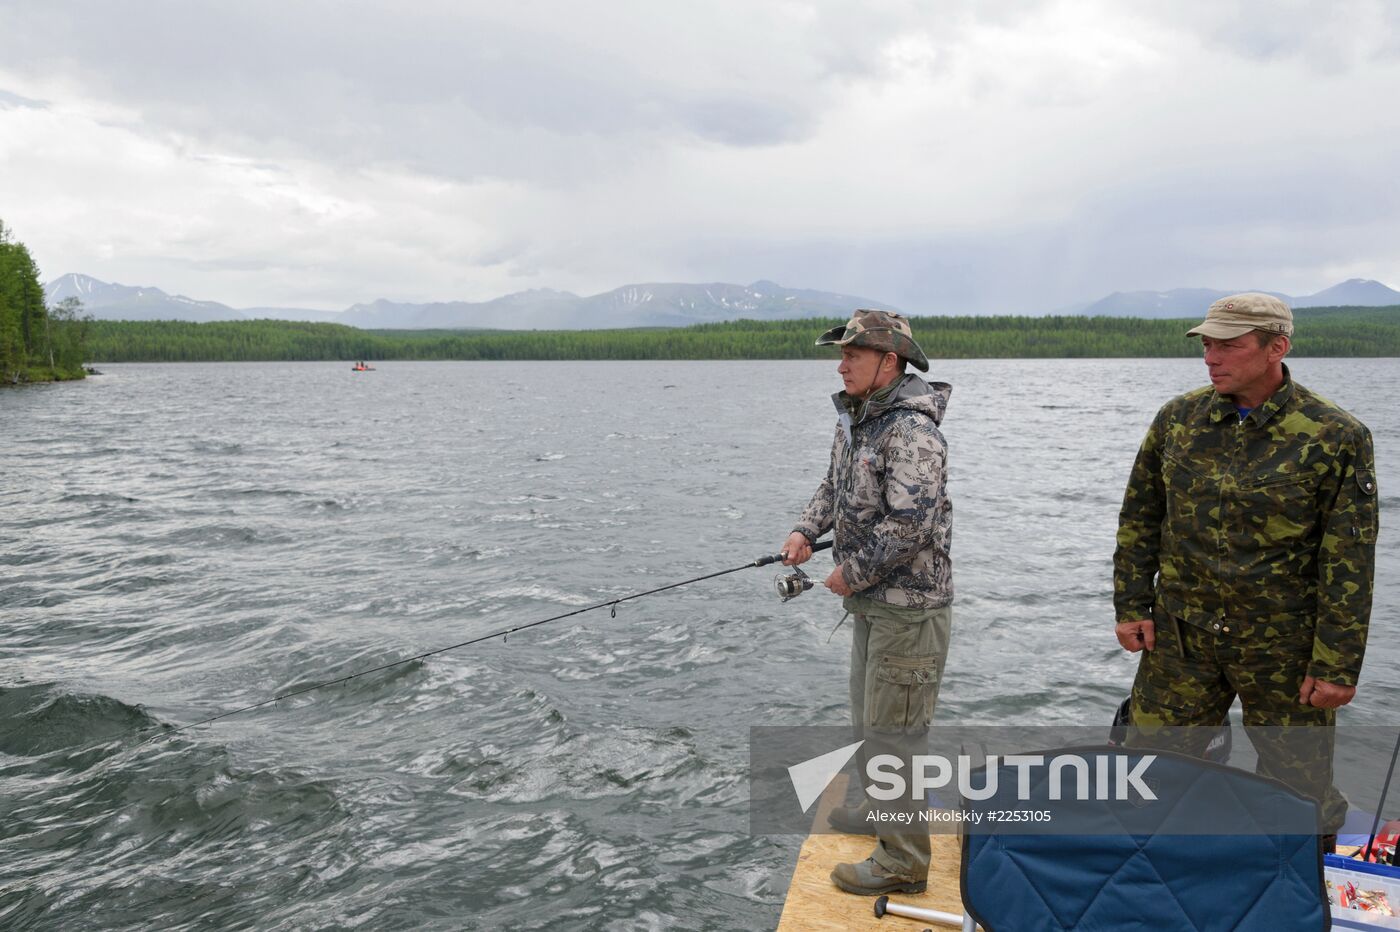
(646, 305)
(649, 305)
(1185, 302)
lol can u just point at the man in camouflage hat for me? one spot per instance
(1246, 554)
(885, 498)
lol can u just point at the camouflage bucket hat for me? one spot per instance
(879, 330)
(1240, 313)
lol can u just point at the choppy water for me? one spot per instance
(182, 539)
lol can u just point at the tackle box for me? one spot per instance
(1364, 876)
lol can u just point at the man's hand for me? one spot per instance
(836, 582)
(1136, 635)
(797, 549)
(1324, 695)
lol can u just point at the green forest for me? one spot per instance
(37, 343)
(40, 343)
(1352, 331)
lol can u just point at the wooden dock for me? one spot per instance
(814, 903)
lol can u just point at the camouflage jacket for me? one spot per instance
(1255, 528)
(886, 495)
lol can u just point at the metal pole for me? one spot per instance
(884, 905)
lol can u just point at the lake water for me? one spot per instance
(179, 540)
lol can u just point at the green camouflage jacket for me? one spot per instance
(1256, 527)
(886, 495)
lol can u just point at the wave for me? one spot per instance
(123, 585)
(253, 492)
(216, 534)
(368, 684)
(641, 763)
(227, 448)
(98, 498)
(536, 592)
(43, 718)
(330, 504)
(128, 827)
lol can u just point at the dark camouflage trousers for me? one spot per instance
(1192, 677)
(897, 658)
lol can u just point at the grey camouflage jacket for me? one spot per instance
(886, 495)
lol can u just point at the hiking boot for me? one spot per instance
(850, 819)
(868, 878)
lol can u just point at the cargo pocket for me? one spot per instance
(1162, 701)
(1166, 632)
(1278, 510)
(905, 691)
(1175, 686)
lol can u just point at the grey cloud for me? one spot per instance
(1230, 229)
(232, 264)
(473, 90)
(460, 94)
(1329, 36)
(508, 253)
(8, 99)
(602, 98)
(743, 122)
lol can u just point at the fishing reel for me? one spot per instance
(793, 585)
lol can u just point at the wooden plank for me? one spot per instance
(814, 902)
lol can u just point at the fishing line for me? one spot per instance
(503, 634)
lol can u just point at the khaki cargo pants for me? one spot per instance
(897, 658)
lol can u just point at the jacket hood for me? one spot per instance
(909, 392)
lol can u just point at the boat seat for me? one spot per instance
(1139, 864)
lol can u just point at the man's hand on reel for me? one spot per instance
(797, 549)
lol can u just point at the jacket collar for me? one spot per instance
(862, 410)
(1223, 406)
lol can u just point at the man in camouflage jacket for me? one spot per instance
(1246, 552)
(885, 497)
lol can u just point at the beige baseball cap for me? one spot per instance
(1236, 315)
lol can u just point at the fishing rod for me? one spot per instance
(789, 587)
(1369, 852)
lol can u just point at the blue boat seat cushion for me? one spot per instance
(1121, 873)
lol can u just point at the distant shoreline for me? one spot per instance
(43, 375)
(1322, 332)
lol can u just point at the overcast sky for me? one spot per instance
(941, 156)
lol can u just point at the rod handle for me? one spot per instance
(778, 557)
